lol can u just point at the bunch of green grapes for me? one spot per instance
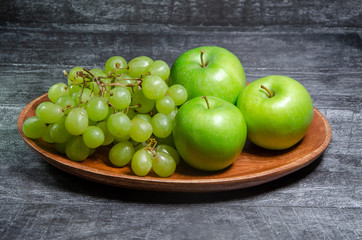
(127, 106)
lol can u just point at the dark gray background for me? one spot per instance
(315, 42)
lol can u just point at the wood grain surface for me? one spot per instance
(315, 42)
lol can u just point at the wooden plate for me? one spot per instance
(253, 167)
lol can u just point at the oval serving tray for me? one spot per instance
(254, 166)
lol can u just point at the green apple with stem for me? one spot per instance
(209, 71)
(209, 133)
(278, 111)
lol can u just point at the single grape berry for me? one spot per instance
(119, 124)
(139, 66)
(165, 105)
(77, 121)
(178, 93)
(120, 98)
(34, 128)
(154, 87)
(141, 130)
(93, 137)
(115, 65)
(49, 112)
(142, 162)
(58, 131)
(160, 68)
(76, 150)
(162, 125)
(97, 109)
(163, 164)
(57, 90)
(121, 153)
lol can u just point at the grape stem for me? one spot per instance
(266, 89)
(129, 107)
(152, 146)
(111, 105)
(118, 66)
(120, 84)
(202, 58)
(207, 101)
(97, 81)
(135, 106)
(137, 79)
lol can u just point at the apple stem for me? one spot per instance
(266, 89)
(207, 101)
(202, 58)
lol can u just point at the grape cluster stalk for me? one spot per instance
(127, 106)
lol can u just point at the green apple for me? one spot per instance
(209, 133)
(209, 71)
(278, 111)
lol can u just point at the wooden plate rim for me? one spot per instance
(169, 184)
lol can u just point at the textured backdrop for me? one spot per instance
(316, 42)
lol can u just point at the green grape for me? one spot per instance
(60, 147)
(77, 121)
(119, 124)
(97, 109)
(145, 104)
(153, 87)
(33, 127)
(139, 66)
(49, 112)
(58, 131)
(166, 141)
(86, 96)
(121, 154)
(74, 78)
(108, 137)
(142, 162)
(178, 94)
(115, 65)
(165, 105)
(170, 151)
(76, 150)
(120, 98)
(66, 102)
(57, 90)
(162, 125)
(172, 115)
(97, 72)
(143, 116)
(93, 137)
(74, 88)
(46, 136)
(141, 130)
(160, 68)
(163, 164)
